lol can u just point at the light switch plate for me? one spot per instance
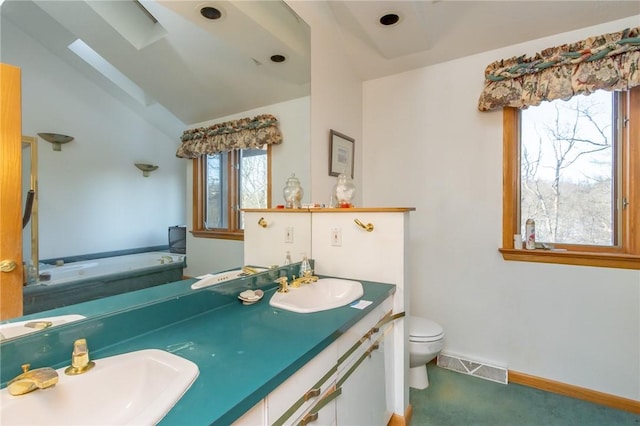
(336, 237)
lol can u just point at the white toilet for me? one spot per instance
(426, 339)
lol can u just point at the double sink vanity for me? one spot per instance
(235, 347)
(217, 359)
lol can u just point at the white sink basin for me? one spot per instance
(213, 279)
(20, 328)
(133, 388)
(326, 293)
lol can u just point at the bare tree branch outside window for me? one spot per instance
(567, 160)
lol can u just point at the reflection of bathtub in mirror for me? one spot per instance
(59, 285)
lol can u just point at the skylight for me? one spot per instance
(100, 64)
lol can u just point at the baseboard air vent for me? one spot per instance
(472, 368)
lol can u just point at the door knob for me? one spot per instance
(7, 265)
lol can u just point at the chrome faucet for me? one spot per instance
(30, 380)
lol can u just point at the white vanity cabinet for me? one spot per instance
(270, 234)
(359, 243)
(343, 385)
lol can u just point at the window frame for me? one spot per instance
(627, 254)
(233, 231)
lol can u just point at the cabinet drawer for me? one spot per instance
(304, 389)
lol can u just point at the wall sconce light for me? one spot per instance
(146, 168)
(56, 139)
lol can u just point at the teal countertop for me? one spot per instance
(243, 352)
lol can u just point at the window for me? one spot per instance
(574, 167)
(225, 183)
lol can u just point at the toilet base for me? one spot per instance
(418, 378)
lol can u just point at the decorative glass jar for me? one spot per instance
(292, 193)
(344, 190)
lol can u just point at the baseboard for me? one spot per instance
(398, 420)
(577, 392)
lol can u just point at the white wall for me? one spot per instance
(336, 103)
(336, 98)
(577, 325)
(292, 156)
(92, 198)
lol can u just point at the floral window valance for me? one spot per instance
(609, 62)
(229, 135)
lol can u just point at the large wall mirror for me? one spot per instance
(125, 79)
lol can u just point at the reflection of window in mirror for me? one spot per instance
(223, 185)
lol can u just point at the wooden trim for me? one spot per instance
(633, 172)
(599, 259)
(398, 420)
(577, 392)
(10, 190)
(221, 235)
(626, 253)
(198, 194)
(335, 210)
(510, 176)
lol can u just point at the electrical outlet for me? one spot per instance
(336, 237)
(288, 234)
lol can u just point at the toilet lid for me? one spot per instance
(424, 330)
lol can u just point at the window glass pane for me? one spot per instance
(253, 180)
(567, 170)
(216, 192)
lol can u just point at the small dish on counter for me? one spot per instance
(249, 297)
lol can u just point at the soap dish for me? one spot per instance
(249, 297)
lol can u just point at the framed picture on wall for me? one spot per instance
(341, 148)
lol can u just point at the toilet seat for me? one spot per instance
(422, 330)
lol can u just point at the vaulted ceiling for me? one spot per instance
(197, 69)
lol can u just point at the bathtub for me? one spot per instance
(85, 280)
(106, 266)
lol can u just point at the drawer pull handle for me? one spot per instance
(312, 393)
(374, 347)
(262, 222)
(309, 418)
(368, 227)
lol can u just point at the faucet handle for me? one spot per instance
(284, 285)
(80, 362)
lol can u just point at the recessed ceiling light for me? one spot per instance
(389, 19)
(211, 12)
(278, 58)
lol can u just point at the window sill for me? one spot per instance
(237, 236)
(604, 260)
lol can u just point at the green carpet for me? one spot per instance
(456, 399)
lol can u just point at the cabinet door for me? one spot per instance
(363, 398)
(362, 374)
(266, 241)
(300, 392)
(321, 414)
